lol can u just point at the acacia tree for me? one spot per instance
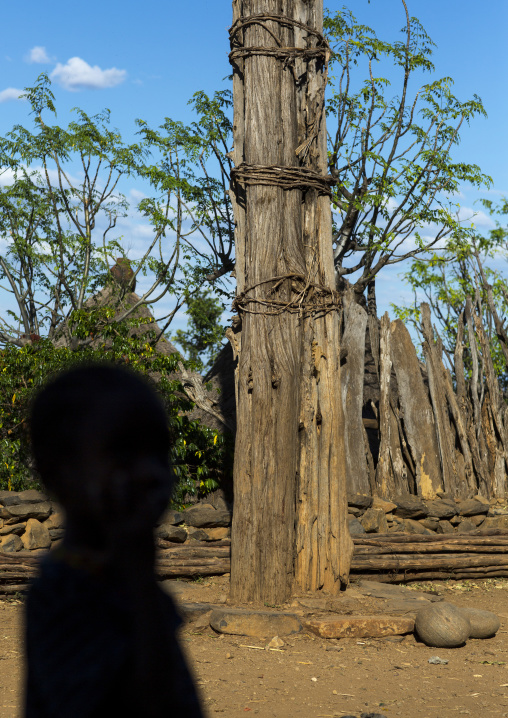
(59, 249)
(289, 522)
(465, 271)
(202, 339)
(59, 207)
(392, 157)
(66, 286)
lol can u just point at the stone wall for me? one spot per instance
(29, 520)
(413, 515)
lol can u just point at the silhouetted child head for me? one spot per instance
(101, 444)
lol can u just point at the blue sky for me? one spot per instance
(146, 60)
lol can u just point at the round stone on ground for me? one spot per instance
(442, 625)
(484, 624)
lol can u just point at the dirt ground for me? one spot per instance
(310, 677)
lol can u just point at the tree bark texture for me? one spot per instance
(391, 474)
(445, 433)
(431, 435)
(289, 462)
(353, 341)
(417, 411)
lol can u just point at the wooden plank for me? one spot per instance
(417, 411)
(459, 420)
(458, 360)
(452, 482)
(391, 475)
(430, 548)
(473, 537)
(172, 571)
(14, 588)
(352, 375)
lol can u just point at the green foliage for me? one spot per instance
(62, 186)
(202, 340)
(200, 457)
(447, 279)
(59, 209)
(191, 162)
(61, 204)
(391, 155)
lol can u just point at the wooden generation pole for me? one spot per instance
(289, 524)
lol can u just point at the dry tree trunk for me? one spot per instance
(288, 457)
(493, 424)
(267, 234)
(459, 364)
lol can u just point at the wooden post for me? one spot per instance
(289, 461)
(353, 377)
(418, 416)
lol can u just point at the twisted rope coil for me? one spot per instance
(322, 50)
(310, 298)
(285, 177)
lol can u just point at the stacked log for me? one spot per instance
(16, 571)
(402, 558)
(384, 557)
(391, 558)
(19, 568)
(188, 561)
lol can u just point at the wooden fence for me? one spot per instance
(411, 428)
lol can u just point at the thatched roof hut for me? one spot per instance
(209, 402)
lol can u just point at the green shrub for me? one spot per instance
(201, 457)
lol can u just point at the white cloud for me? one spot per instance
(77, 74)
(498, 192)
(11, 93)
(37, 54)
(469, 215)
(6, 177)
(136, 195)
(4, 242)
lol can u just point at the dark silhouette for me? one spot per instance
(100, 633)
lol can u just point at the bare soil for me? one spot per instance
(310, 677)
